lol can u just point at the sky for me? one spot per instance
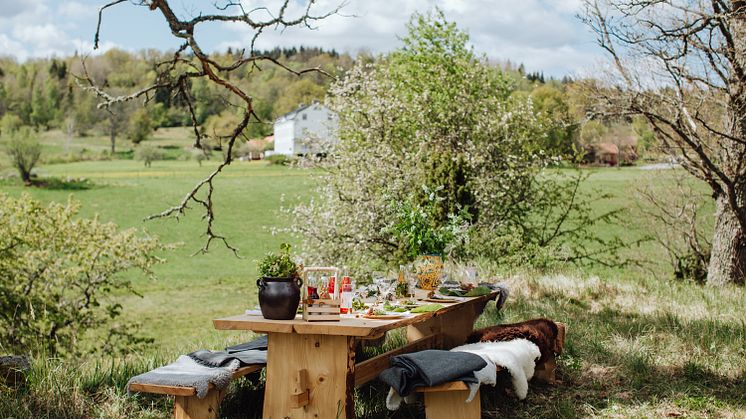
(544, 35)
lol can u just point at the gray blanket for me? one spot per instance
(259, 343)
(430, 368)
(185, 372)
(504, 292)
(200, 368)
(217, 359)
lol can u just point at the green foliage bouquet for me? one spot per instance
(419, 233)
(278, 265)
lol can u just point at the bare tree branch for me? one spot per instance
(174, 75)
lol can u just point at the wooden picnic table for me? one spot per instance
(311, 369)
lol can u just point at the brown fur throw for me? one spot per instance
(546, 334)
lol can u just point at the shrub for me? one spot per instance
(58, 271)
(280, 160)
(148, 154)
(24, 150)
(9, 123)
(140, 126)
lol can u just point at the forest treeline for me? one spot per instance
(45, 94)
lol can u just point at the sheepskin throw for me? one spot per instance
(517, 356)
(186, 372)
(547, 334)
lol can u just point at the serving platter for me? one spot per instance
(440, 300)
(384, 316)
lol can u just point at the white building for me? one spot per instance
(306, 130)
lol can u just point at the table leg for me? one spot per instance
(329, 364)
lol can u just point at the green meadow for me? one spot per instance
(639, 343)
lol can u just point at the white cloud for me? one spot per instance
(8, 45)
(543, 34)
(76, 10)
(45, 28)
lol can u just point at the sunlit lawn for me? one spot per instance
(190, 290)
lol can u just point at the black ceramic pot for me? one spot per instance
(279, 297)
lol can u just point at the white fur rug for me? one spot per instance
(517, 356)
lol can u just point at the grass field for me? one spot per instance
(190, 290)
(638, 345)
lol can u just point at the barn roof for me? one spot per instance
(608, 148)
(301, 107)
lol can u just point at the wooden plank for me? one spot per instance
(329, 364)
(368, 370)
(247, 370)
(449, 386)
(313, 317)
(347, 326)
(323, 309)
(451, 326)
(157, 389)
(256, 323)
(187, 391)
(451, 404)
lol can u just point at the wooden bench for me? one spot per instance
(446, 401)
(186, 403)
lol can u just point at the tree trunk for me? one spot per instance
(728, 254)
(26, 177)
(113, 132)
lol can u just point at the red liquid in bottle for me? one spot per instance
(331, 286)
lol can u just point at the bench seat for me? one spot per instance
(186, 403)
(446, 401)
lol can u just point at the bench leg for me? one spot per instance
(193, 408)
(545, 373)
(450, 405)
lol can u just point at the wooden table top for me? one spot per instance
(346, 326)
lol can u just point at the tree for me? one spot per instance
(550, 102)
(24, 151)
(57, 270)
(682, 66)
(434, 128)
(140, 126)
(300, 92)
(148, 154)
(190, 63)
(9, 124)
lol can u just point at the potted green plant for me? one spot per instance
(279, 285)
